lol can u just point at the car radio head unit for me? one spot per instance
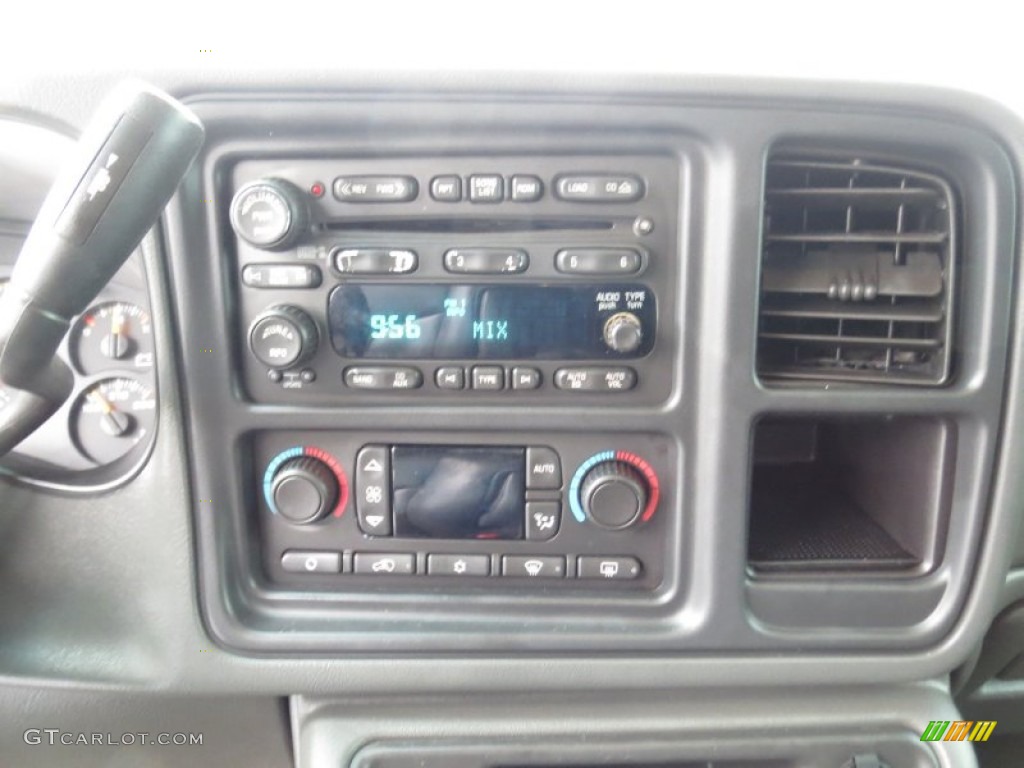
(363, 280)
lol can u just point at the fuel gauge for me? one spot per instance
(113, 335)
(111, 417)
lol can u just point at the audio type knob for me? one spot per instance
(613, 494)
(269, 213)
(304, 489)
(283, 337)
(623, 332)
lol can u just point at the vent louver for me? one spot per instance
(857, 273)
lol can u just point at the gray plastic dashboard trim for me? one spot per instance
(142, 534)
(974, 399)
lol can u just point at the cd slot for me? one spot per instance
(467, 224)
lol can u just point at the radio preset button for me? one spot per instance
(384, 564)
(486, 188)
(295, 561)
(526, 189)
(611, 568)
(598, 261)
(375, 189)
(450, 377)
(509, 261)
(525, 378)
(488, 377)
(533, 566)
(595, 379)
(374, 261)
(382, 377)
(543, 518)
(373, 490)
(458, 565)
(543, 469)
(446, 189)
(599, 188)
(281, 276)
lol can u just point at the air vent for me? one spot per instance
(857, 272)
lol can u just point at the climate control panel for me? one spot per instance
(343, 511)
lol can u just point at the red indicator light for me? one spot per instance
(316, 189)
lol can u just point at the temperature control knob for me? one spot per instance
(304, 489)
(623, 332)
(283, 337)
(613, 494)
(269, 213)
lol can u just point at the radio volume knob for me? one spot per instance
(283, 337)
(623, 332)
(613, 494)
(269, 213)
(304, 490)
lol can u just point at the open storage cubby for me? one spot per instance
(853, 494)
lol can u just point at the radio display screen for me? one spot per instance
(439, 492)
(483, 321)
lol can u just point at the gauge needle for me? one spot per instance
(113, 422)
(117, 342)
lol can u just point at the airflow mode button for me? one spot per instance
(603, 188)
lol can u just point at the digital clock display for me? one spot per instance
(482, 321)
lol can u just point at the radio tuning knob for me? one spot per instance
(269, 213)
(623, 332)
(304, 490)
(613, 494)
(283, 337)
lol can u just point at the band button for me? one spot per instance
(383, 378)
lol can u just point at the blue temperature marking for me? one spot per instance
(268, 476)
(577, 479)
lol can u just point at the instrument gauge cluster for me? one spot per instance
(101, 435)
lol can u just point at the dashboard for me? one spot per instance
(541, 427)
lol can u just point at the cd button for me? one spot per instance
(379, 377)
(486, 188)
(450, 377)
(458, 565)
(533, 567)
(384, 564)
(542, 519)
(543, 469)
(525, 378)
(488, 377)
(598, 261)
(526, 189)
(375, 189)
(612, 568)
(595, 379)
(446, 189)
(311, 562)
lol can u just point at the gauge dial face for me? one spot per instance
(112, 335)
(111, 417)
